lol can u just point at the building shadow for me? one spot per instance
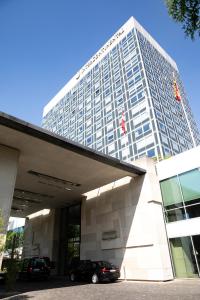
(25, 286)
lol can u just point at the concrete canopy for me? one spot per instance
(54, 171)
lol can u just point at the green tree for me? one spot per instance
(14, 240)
(16, 237)
(186, 12)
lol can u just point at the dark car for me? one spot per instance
(2, 277)
(35, 268)
(94, 271)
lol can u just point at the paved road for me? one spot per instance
(131, 290)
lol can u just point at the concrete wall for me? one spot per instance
(125, 226)
(8, 172)
(39, 235)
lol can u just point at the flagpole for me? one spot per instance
(188, 123)
(187, 120)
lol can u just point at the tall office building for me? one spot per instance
(127, 101)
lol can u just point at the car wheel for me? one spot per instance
(72, 277)
(95, 278)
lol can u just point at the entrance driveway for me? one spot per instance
(123, 290)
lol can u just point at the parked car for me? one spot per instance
(35, 267)
(2, 277)
(94, 271)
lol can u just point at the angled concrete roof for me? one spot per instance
(54, 171)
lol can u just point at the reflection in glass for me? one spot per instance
(181, 196)
(190, 184)
(193, 209)
(171, 192)
(183, 257)
(173, 215)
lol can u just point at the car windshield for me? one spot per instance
(38, 262)
(104, 264)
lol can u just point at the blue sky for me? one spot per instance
(43, 43)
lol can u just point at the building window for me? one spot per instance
(107, 92)
(107, 100)
(141, 118)
(111, 148)
(190, 185)
(88, 123)
(125, 153)
(108, 117)
(98, 125)
(108, 108)
(151, 153)
(181, 196)
(147, 142)
(98, 116)
(109, 127)
(110, 137)
(97, 99)
(119, 101)
(99, 144)
(97, 92)
(98, 134)
(89, 140)
(124, 141)
(185, 256)
(88, 107)
(80, 129)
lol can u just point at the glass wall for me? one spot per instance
(185, 254)
(70, 234)
(73, 233)
(181, 196)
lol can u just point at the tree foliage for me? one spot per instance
(186, 12)
(16, 237)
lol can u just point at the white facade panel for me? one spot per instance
(178, 164)
(183, 228)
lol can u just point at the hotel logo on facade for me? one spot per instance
(100, 53)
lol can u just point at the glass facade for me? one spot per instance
(73, 232)
(185, 256)
(133, 78)
(70, 237)
(181, 200)
(181, 196)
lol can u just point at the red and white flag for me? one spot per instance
(177, 94)
(123, 123)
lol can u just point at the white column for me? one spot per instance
(8, 172)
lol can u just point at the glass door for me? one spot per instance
(196, 251)
(73, 234)
(184, 257)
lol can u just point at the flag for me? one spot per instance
(123, 123)
(176, 91)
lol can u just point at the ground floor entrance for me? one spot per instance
(186, 256)
(71, 235)
(45, 178)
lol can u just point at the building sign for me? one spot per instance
(109, 235)
(100, 53)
